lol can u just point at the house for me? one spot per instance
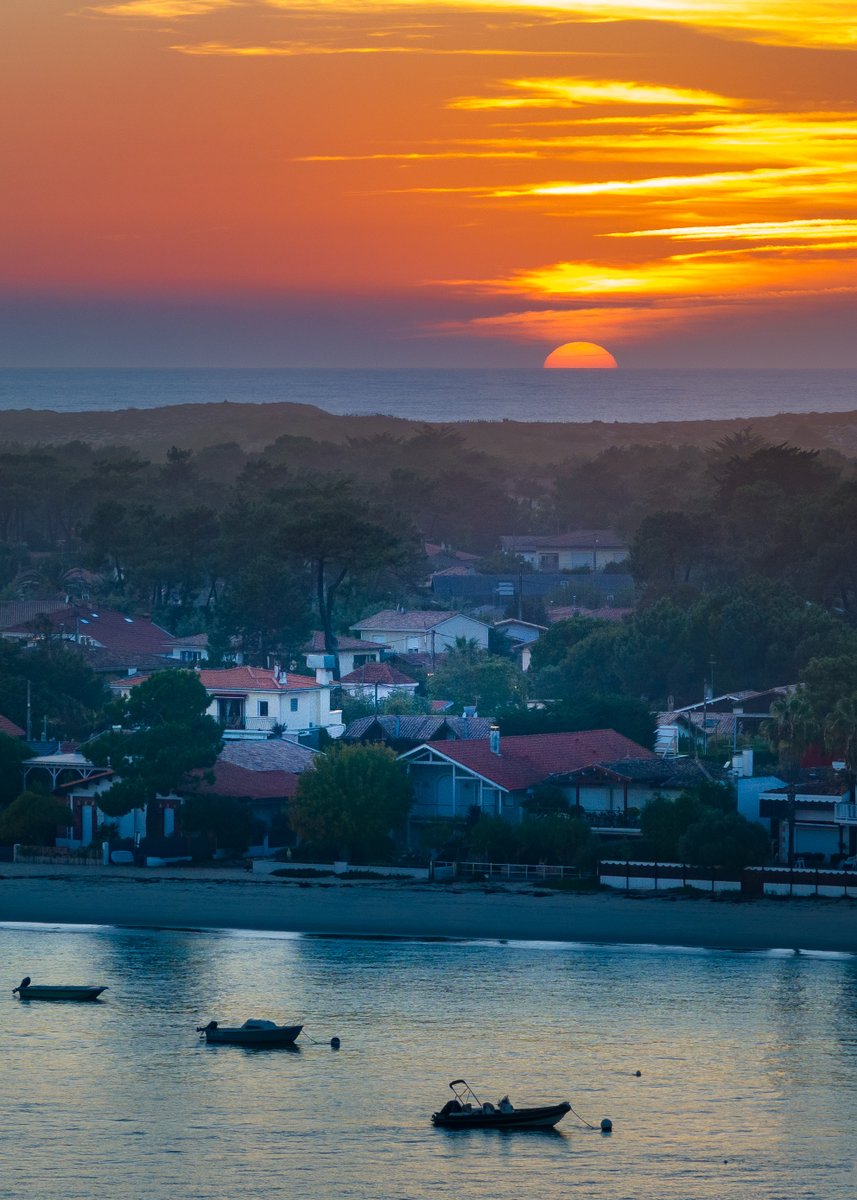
(441, 557)
(262, 774)
(72, 777)
(351, 653)
(421, 631)
(727, 717)
(521, 635)
(495, 776)
(377, 681)
(589, 548)
(252, 701)
(111, 642)
(811, 822)
(404, 733)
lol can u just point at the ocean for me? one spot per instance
(747, 1066)
(450, 395)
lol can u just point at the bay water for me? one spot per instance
(449, 394)
(747, 1061)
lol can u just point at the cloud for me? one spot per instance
(572, 93)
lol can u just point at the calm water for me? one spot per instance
(450, 395)
(748, 1061)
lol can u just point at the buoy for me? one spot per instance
(638, 1074)
(606, 1125)
(334, 1043)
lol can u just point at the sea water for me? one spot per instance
(747, 1064)
(450, 395)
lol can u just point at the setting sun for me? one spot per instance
(581, 355)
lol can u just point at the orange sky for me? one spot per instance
(350, 183)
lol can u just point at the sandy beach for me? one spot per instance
(228, 899)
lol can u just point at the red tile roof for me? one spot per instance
(381, 673)
(527, 759)
(10, 728)
(117, 633)
(232, 780)
(244, 679)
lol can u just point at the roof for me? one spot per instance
(249, 679)
(10, 728)
(381, 673)
(528, 759)
(396, 622)
(576, 539)
(566, 612)
(259, 770)
(123, 640)
(232, 780)
(195, 639)
(316, 644)
(21, 612)
(671, 773)
(518, 621)
(419, 728)
(272, 754)
(433, 549)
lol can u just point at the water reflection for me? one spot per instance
(746, 1085)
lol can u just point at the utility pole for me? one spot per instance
(29, 712)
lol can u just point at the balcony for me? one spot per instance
(846, 814)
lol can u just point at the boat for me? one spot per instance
(251, 1033)
(466, 1111)
(30, 991)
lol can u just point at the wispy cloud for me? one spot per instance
(810, 229)
(161, 9)
(573, 93)
(779, 22)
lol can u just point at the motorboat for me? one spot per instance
(252, 1033)
(466, 1111)
(43, 991)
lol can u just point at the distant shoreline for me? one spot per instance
(253, 426)
(233, 900)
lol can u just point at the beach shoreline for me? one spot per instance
(232, 899)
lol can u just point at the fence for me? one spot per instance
(752, 881)
(58, 856)
(537, 872)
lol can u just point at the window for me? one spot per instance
(263, 708)
(548, 562)
(293, 704)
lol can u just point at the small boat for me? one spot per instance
(251, 1033)
(30, 991)
(465, 1111)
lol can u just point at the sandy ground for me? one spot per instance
(196, 899)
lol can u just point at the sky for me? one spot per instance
(334, 183)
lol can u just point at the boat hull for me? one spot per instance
(545, 1117)
(283, 1035)
(46, 992)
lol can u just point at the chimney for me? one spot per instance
(494, 739)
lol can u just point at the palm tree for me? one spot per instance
(840, 730)
(791, 729)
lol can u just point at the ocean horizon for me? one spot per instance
(446, 395)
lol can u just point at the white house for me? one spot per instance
(377, 681)
(250, 701)
(421, 631)
(521, 636)
(351, 653)
(592, 548)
